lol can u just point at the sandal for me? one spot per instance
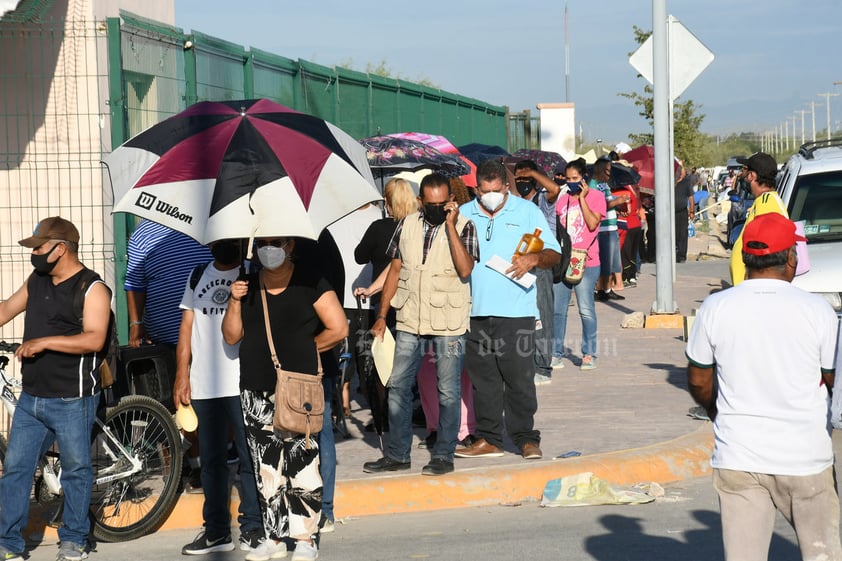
(588, 363)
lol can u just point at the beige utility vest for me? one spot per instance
(431, 299)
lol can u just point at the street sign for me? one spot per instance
(688, 58)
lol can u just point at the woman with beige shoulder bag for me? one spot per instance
(283, 317)
(580, 210)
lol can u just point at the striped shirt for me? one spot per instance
(609, 223)
(468, 236)
(160, 261)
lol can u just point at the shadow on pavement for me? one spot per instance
(626, 539)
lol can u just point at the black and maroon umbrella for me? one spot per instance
(240, 169)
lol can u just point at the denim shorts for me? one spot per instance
(609, 253)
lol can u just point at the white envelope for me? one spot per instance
(383, 353)
(501, 265)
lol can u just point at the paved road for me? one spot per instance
(684, 526)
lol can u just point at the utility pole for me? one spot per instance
(566, 58)
(827, 96)
(786, 134)
(813, 117)
(794, 131)
(803, 132)
(664, 252)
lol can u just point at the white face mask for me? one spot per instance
(492, 200)
(271, 257)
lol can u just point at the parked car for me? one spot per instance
(810, 185)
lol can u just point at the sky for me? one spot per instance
(772, 56)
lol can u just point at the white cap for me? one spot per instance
(622, 148)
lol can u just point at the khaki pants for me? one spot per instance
(748, 502)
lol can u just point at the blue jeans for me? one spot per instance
(69, 421)
(585, 302)
(449, 354)
(215, 417)
(327, 450)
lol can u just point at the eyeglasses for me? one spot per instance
(489, 230)
(273, 243)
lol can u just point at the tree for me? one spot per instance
(689, 142)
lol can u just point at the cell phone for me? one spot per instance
(573, 188)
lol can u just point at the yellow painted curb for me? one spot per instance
(681, 458)
(664, 321)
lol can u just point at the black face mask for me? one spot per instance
(42, 266)
(524, 186)
(227, 253)
(434, 214)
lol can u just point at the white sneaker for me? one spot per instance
(557, 363)
(305, 551)
(268, 549)
(542, 380)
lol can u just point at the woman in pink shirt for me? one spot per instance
(580, 212)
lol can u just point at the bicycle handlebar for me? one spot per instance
(8, 347)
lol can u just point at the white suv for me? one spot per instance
(810, 185)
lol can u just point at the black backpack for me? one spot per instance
(566, 244)
(564, 241)
(196, 275)
(108, 366)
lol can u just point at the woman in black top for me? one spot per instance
(305, 316)
(400, 203)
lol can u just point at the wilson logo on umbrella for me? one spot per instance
(237, 169)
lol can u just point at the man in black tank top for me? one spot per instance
(60, 357)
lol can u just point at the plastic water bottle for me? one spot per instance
(691, 229)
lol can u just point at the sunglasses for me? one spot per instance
(273, 243)
(489, 230)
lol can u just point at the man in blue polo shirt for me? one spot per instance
(500, 345)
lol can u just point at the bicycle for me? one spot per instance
(136, 454)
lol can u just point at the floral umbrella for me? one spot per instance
(546, 160)
(388, 155)
(444, 146)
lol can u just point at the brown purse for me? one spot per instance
(299, 398)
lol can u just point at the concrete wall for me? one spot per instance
(558, 128)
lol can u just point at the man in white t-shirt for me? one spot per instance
(761, 359)
(208, 378)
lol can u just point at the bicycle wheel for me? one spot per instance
(128, 507)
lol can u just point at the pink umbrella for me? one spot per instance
(642, 159)
(444, 146)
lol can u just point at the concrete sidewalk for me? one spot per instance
(628, 418)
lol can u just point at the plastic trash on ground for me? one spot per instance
(584, 489)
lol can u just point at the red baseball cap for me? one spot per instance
(774, 231)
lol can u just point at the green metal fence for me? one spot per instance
(71, 89)
(165, 70)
